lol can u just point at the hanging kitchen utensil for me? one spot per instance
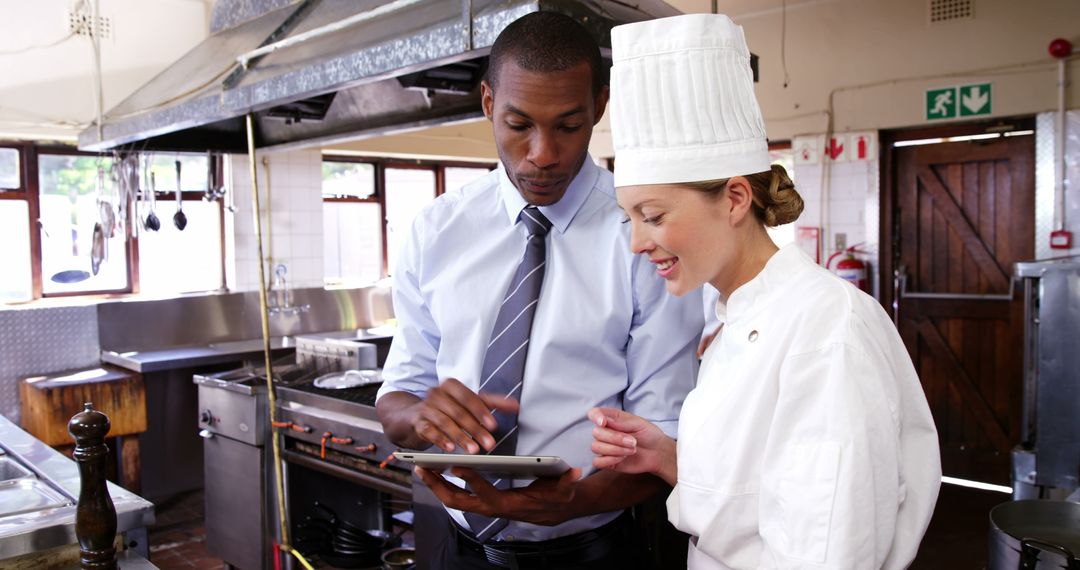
(179, 219)
(105, 210)
(152, 222)
(213, 192)
(129, 178)
(134, 183)
(97, 248)
(70, 276)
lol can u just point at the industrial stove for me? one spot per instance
(337, 472)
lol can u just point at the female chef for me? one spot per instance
(807, 442)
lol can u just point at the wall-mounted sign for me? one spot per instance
(842, 147)
(962, 101)
(808, 239)
(975, 100)
(806, 150)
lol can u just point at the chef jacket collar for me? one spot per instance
(560, 213)
(782, 268)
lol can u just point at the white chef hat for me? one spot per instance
(682, 102)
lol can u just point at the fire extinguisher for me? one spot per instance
(850, 268)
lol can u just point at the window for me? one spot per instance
(458, 176)
(408, 190)
(352, 224)
(54, 199)
(83, 246)
(173, 260)
(369, 205)
(348, 180)
(9, 169)
(16, 283)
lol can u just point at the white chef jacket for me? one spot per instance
(807, 442)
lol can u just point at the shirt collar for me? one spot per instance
(560, 213)
(784, 266)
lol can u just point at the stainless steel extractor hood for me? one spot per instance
(315, 72)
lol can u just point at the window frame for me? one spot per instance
(381, 165)
(130, 248)
(217, 166)
(29, 191)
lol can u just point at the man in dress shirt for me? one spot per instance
(605, 333)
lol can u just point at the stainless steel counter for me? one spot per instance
(36, 530)
(192, 356)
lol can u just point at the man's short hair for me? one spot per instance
(544, 42)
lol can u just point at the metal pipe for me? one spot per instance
(99, 93)
(269, 213)
(264, 316)
(390, 8)
(467, 17)
(1059, 151)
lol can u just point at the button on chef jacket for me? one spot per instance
(606, 332)
(807, 442)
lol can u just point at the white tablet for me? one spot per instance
(516, 465)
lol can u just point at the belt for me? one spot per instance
(554, 553)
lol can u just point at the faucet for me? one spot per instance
(281, 301)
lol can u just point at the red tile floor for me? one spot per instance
(177, 538)
(956, 539)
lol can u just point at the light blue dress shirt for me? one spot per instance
(606, 331)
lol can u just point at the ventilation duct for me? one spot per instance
(324, 71)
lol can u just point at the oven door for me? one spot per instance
(235, 482)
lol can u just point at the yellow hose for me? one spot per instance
(303, 561)
(265, 318)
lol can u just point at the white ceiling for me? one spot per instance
(740, 9)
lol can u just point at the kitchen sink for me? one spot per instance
(9, 470)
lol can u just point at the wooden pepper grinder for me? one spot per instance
(95, 516)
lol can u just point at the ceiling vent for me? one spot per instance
(951, 10)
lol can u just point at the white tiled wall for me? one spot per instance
(293, 228)
(853, 205)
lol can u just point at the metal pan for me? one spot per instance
(348, 379)
(1034, 535)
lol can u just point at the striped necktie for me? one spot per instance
(504, 360)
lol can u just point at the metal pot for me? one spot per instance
(1034, 535)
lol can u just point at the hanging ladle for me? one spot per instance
(152, 221)
(179, 219)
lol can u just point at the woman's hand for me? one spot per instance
(626, 443)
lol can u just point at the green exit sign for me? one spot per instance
(971, 100)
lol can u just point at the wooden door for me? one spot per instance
(962, 214)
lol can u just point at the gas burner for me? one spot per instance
(307, 392)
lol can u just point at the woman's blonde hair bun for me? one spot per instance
(776, 202)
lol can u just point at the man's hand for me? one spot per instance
(547, 501)
(626, 443)
(451, 416)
